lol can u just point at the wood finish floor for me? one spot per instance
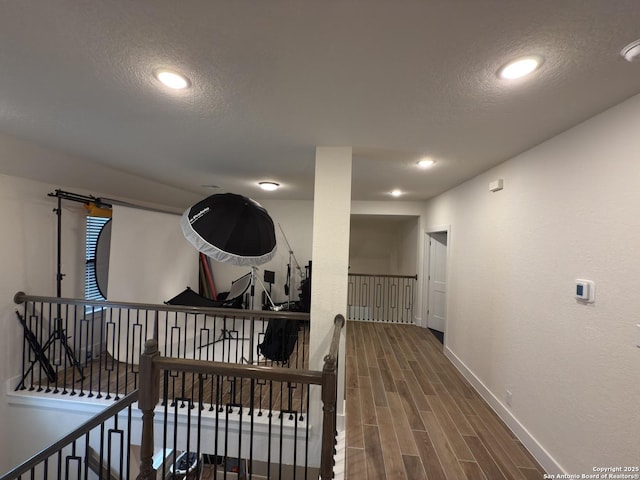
(411, 415)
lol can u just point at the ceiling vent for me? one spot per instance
(631, 52)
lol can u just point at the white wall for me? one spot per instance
(371, 243)
(384, 245)
(28, 260)
(150, 260)
(406, 250)
(569, 209)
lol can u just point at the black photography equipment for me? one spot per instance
(58, 333)
(232, 299)
(39, 354)
(40, 351)
(269, 278)
(292, 256)
(232, 229)
(74, 197)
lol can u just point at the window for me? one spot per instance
(95, 225)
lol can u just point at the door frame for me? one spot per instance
(425, 271)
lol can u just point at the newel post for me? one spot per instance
(147, 400)
(329, 394)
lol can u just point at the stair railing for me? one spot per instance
(152, 366)
(381, 297)
(91, 348)
(75, 454)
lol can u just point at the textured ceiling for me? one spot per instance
(273, 79)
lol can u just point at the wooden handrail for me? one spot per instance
(384, 275)
(22, 297)
(277, 374)
(338, 323)
(83, 429)
(329, 400)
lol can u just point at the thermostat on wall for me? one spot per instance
(585, 290)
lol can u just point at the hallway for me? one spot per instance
(411, 415)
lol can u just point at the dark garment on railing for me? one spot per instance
(279, 340)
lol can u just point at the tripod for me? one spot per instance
(59, 334)
(40, 351)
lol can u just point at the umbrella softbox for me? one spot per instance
(231, 228)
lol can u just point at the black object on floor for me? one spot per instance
(38, 351)
(279, 339)
(438, 335)
(185, 463)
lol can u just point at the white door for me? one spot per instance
(437, 281)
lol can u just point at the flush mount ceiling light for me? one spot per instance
(426, 162)
(172, 79)
(269, 186)
(396, 193)
(520, 68)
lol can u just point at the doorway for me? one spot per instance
(436, 242)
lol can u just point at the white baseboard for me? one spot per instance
(341, 423)
(543, 457)
(340, 467)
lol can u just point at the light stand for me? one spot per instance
(74, 197)
(252, 293)
(59, 274)
(291, 256)
(254, 270)
(238, 288)
(226, 334)
(58, 332)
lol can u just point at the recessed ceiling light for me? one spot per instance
(426, 162)
(520, 67)
(396, 192)
(269, 186)
(172, 79)
(631, 52)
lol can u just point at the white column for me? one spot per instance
(330, 253)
